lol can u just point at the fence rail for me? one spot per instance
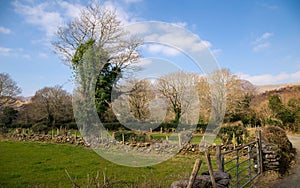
(244, 163)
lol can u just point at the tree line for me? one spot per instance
(51, 107)
(99, 51)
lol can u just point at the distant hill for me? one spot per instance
(17, 103)
(285, 91)
(265, 88)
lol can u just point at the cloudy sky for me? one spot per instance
(258, 40)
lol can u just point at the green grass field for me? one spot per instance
(30, 164)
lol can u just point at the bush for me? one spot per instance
(226, 134)
(114, 126)
(277, 135)
(23, 125)
(39, 127)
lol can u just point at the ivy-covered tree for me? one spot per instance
(99, 29)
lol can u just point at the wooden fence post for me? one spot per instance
(179, 139)
(194, 173)
(260, 152)
(218, 158)
(210, 169)
(75, 136)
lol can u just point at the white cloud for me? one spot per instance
(122, 15)
(261, 46)
(187, 42)
(4, 30)
(264, 36)
(38, 15)
(181, 24)
(271, 79)
(262, 42)
(47, 16)
(175, 39)
(19, 52)
(5, 51)
(71, 10)
(167, 50)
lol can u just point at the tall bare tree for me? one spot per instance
(98, 28)
(103, 27)
(140, 97)
(8, 90)
(223, 93)
(179, 89)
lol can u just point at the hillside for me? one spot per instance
(17, 103)
(264, 88)
(286, 92)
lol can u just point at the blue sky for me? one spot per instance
(258, 40)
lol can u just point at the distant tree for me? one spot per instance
(281, 112)
(294, 106)
(203, 88)
(8, 90)
(179, 89)
(51, 106)
(245, 113)
(7, 115)
(140, 96)
(225, 95)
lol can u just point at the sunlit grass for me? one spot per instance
(29, 164)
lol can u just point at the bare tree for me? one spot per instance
(179, 89)
(102, 26)
(139, 98)
(8, 89)
(52, 106)
(97, 29)
(203, 88)
(222, 93)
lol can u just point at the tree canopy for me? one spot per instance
(8, 89)
(98, 28)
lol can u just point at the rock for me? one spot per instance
(224, 182)
(203, 181)
(218, 175)
(179, 184)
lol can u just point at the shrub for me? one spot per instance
(227, 133)
(277, 135)
(39, 127)
(113, 126)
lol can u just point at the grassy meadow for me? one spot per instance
(28, 164)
